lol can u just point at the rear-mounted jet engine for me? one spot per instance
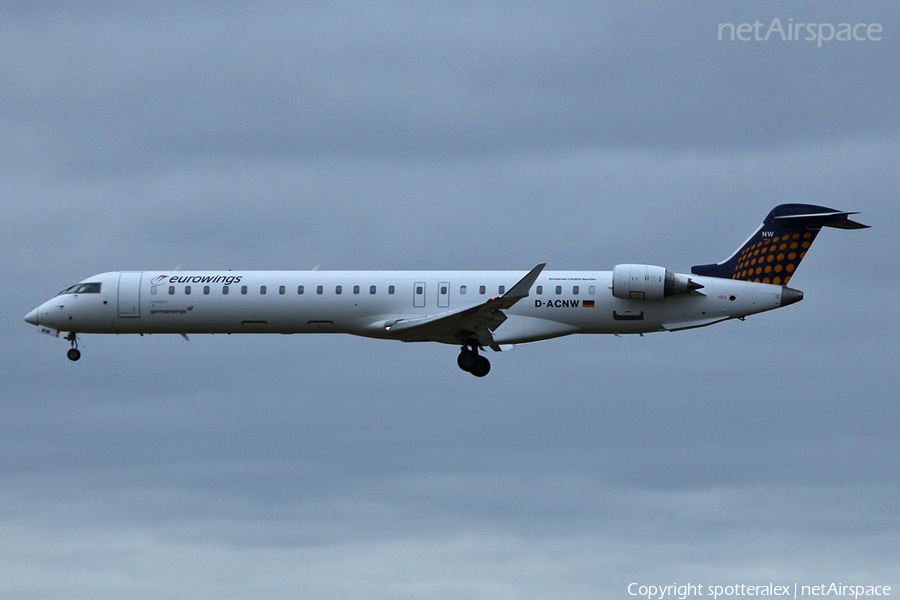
(649, 282)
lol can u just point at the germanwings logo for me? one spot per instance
(171, 311)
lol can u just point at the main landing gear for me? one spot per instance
(471, 362)
(74, 353)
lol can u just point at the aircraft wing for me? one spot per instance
(478, 320)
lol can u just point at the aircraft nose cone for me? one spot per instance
(790, 295)
(32, 317)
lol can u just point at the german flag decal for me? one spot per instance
(588, 304)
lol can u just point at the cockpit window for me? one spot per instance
(82, 288)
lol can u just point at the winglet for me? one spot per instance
(521, 289)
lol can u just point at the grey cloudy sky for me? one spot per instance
(444, 135)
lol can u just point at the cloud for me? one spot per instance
(407, 136)
(126, 88)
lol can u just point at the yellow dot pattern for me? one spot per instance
(773, 260)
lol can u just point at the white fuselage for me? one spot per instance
(366, 303)
(474, 309)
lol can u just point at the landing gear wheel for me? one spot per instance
(470, 361)
(73, 353)
(482, 367)
(467, 360)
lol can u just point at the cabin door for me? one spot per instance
(130, 294)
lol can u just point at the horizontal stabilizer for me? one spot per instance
(839, 220)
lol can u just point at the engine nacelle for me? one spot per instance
(649, 282)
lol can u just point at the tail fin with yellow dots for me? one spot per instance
(774, 251)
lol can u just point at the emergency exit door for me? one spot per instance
(443, 295)
(419, 295)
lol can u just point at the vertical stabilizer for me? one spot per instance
(774, 251)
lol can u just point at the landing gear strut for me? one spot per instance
(471, 362)
(74, 353)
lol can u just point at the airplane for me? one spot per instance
(472, 309)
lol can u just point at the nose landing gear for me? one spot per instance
(74, 353)
(472, 362)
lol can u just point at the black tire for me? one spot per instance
(482, 367)
(467, 360)
(73, 354)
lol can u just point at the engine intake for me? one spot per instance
(649, 282)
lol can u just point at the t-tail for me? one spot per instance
(774, 251)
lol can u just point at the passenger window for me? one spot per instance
(206, 290)
(244, 289)
(391, 289)
(502, 289)
(153, 291)
(558, 290)
(462, 289)
(171, 290)
(300, 289)
(319, 290)
(540, 290)
(355, 289)
(224, 290)
(481, 289)
(337, 289)
(372, 289)
(281, 290)
(262, 290)
(592, 290)
(575, 290)
(187, 290)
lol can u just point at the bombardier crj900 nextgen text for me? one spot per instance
(471, 309)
